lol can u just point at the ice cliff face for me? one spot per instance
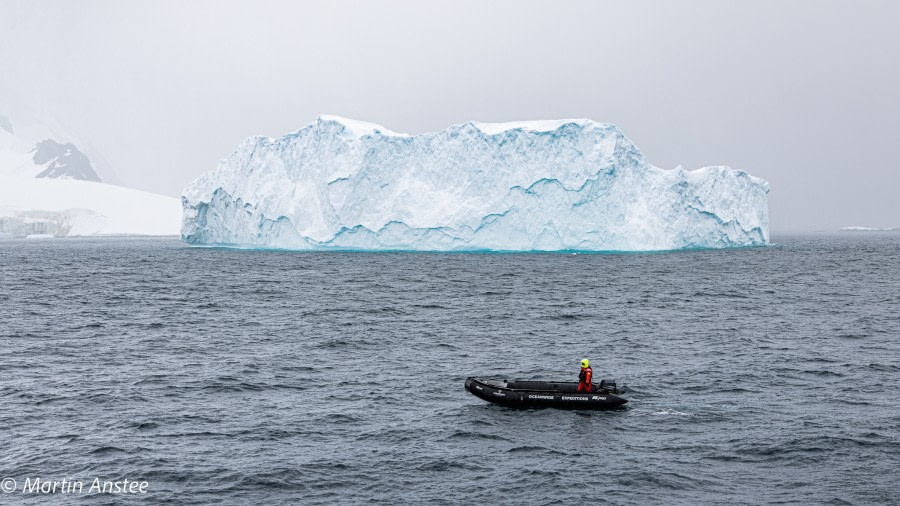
(527, 186)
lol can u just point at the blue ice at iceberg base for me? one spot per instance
(340, 184)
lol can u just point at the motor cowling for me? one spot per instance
(608, 386)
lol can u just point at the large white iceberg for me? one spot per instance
(524, 186)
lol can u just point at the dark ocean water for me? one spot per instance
(765, 375)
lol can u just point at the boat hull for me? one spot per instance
(541, 395)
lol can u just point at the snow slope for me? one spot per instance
(65, 207)
(523, 186)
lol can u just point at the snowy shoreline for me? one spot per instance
(68, 207)
(868, 229)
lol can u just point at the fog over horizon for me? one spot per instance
(803, 94)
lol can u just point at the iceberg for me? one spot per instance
(562, 185)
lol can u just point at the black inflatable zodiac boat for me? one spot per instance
(545, 394)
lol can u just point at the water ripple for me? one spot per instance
(763, 375)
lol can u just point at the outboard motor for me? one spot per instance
(608, 386)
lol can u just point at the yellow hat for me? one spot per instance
(584, 363)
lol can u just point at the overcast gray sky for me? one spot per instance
(805, 94)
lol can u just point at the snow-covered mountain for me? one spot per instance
(524, 186)
(49, 187)
(31, 154)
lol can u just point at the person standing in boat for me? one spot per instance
(584, 378)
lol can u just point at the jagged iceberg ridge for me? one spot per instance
(525, 186)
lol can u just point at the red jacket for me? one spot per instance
(584, 379)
